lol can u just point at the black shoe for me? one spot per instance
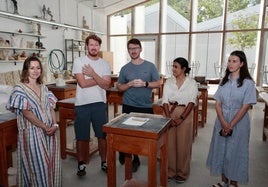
(104, 167)
(81, 169)
(135, 165)
(122, 158)
(179, 179)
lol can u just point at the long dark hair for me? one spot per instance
(24, 78)
(243, 73)
(184, 64)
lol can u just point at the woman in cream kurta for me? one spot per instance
(179, 97)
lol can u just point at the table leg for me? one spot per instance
(3, 163)
(111, 173)
(205, 105)
(115, 109)
(265, 122)
(63, 126)
(164, 163)
(152, 162)
(128, 166)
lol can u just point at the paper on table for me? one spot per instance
(136, 121)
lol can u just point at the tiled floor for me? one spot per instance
(200, 177)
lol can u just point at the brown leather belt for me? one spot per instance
(174, 105)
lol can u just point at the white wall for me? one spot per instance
(64, 11)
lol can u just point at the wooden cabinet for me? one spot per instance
(63, 92)
(8, 138)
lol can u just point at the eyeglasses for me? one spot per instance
(133, 48)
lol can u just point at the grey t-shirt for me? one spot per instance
(138, 97)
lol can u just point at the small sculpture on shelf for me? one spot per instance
(50, 14)
(4, 52)
(23, 55)
(84, 33)
(36, 28)
(39, 45)
(15, 4)
(44, 10)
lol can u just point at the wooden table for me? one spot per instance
(115, 97)
(66, 112)
(203, 97)
(63, 92)
(8, 138)
(141, 140)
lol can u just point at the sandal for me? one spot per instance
(221, 184)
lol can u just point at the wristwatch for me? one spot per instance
(146, 84)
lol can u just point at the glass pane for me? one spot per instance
(266, 16)
(205, 54)
(147, 17)
(118, 46)
(173, 46)
(245, 41)
(176, 16)
(265, 62)
(243, 14)
(207, 15)
(149, 51)
(120, 23)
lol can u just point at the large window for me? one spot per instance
(121, 22)
(243, 14)
(207, 15)
(176, 16)
(147, 18)
(173, 46)
(203, 60)
(197, 31)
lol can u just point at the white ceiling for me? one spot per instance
(110, 6)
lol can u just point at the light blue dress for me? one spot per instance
(230, 155)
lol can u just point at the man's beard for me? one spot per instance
(93, 54)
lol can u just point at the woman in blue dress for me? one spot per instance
(229, 149)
